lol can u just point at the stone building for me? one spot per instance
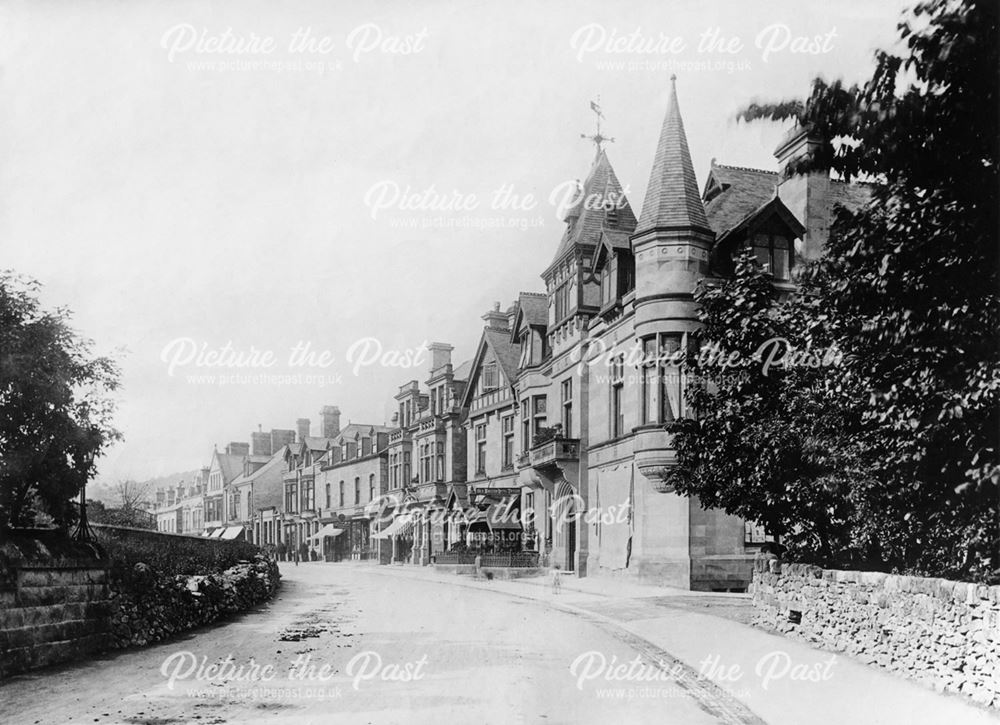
(579, 380)
(351, 477)
(426, 462)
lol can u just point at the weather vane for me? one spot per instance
(597, 138)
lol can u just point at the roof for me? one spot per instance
(534, 306)
(734, 192)
(316, 443)
(772, 207)
(351, 431)
(507, 353)
(463, 370)
(611, 240)
(278, 459)
(585, 219)
(231, 466)
(672, 198)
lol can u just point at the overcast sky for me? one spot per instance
(170, 197)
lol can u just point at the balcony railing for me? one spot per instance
(556, 449)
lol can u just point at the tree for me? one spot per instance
(55, 408)
(769, 443)
(908, 290)
(131, 494)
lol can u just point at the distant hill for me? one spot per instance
(105, 492)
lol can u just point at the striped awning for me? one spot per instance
(328, 530)
(400, 525)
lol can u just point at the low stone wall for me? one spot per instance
(942, 633)
(61, 600)
(52, 612)
(148, 608)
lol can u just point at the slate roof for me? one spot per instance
(734, 192)
(507, 353)
(231, 466)
(535, 305)
(672, 198)
(583, 222)
(351, 431)
(462, 371)
(610, 240)
(278, 459)
(316, 443)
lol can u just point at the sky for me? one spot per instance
(351, 179)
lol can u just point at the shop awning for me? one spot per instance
(218, 533)
(232, 532)
(328, 530)
(398, 526)
(498, 518)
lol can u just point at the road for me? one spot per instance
(396, 649)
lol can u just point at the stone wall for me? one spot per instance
(61, 601)
(941, 633)
(54, 602)
(146, 607)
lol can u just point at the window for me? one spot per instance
(538, 414)
(371, 487)
(393, 470)
(490, 377)
(562, 301)
(567, 406)
(425, 462)
(481, 448)
(606, 286)
(525, 427)
(357, 489)
(774, 254)
(440, 460)
(406, 468)
(662, 382)
(308, 495)
(617, 388)
(507, 426)
(329, 501)
(755, 533)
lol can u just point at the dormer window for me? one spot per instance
(774, 253)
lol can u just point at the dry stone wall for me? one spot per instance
(942, 633)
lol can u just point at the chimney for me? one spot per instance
(511, 314)
(330, 421)
(807, 196)
(238, 449)
(281, 437)
(496, 319)
(440, 355)
(302, 426)
(260, 443)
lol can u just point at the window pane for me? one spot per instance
(782, 256)
(763, 255)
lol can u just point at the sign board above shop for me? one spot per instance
(499, 493)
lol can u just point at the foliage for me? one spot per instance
(167, 555)
(55, 408)
(898, 443)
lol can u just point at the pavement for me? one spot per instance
(783, 681)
